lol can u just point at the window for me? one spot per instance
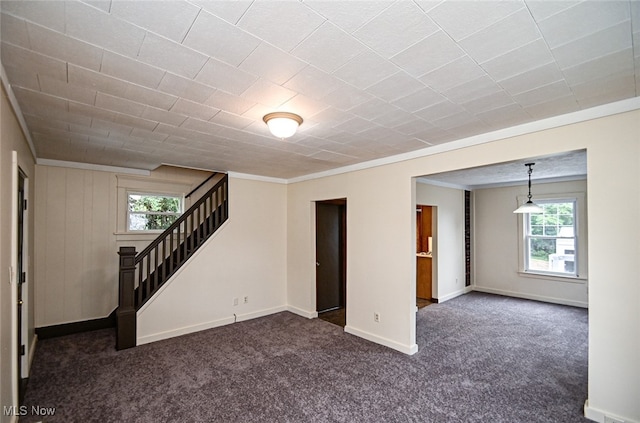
(152, 212)
(551, 238)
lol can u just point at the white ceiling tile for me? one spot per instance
(272, 64)
(476, 88)
(618, 62)
(131, 70)
(395, 118)
(120, 105)
(169, 55)
(365, 70)
(171, 19)
(345, 97)
(439, 111)
(452, 74)
(303, 106)
(229, 102)
(22, 58)
(583, 19)
(48, 13)
(160, 115)
(102, 29)
(257, 112)
(230, 10)
(200, 126)
(104, 5)
(20, 78)
(148, 96)
(523, 59)
(542, 94)
(63, 89)
(312, 82)
(135, 122)
(354, 125)
(543, 75)
(184, 87)
(396, 86)
(372, 109)
(223, 76)
(148, 135)
(282, 23)
(348, 15)
(405, 20)
(558, 106)
(55, 44)
(418, 100)
(455, 121)
(607, 90)
(191, 108)
(542, 9)
(414, 126)
(267, 93)
(492, 101)
(596, 44)
(14, 30)
(96, 81)
(88, 114)
(503, 36)
(231, 120)
(220, 39)
(328, 48)
(461, 19)
(429, 54)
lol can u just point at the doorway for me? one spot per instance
(331, 259)
(20, 279)
(424, 255)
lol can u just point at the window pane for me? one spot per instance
(150, 222)
(153, 203)
(537, 230)
(551, 230)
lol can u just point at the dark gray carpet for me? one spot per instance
(482, 358)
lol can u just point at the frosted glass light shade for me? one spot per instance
(529, 207)
(282, 124)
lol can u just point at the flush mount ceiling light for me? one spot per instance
(529, 206)
(282, 124)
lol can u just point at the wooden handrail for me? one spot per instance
(201, 184)
(184, 216)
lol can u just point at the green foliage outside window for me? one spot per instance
(153, 212)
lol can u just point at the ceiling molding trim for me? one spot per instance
(16, 109)
(533, 182)
(250, 177)
(605, 110)
(90, 166)
(428, 181)
(190, 167)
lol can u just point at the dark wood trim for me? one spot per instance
(77, 327)
(434, 300)
(201, 184)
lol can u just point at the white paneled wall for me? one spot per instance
(77, 237)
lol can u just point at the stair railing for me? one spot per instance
(142, 274)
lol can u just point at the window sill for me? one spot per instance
(553, 277)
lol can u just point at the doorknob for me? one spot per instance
(20, 302)
(317, 264)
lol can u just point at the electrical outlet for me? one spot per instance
(609, 419)
(245, 300)
(376, 317)
(235, 301)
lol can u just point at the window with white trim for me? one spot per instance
(152, 212)
(551, 238)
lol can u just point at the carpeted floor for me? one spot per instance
(482, 358)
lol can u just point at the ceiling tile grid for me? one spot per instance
(140, 83)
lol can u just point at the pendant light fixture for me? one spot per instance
(282, 124)
(529, 206)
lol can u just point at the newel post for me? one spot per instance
(126, 313)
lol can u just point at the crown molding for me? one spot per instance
(91, 166)
(18, 112)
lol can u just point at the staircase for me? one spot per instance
(142, 274)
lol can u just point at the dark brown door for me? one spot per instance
(330, 255)
(21, 280)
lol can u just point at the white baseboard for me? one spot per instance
(451, 296)
(301, 312)
(406, 349)
(531, 297)
(146, 339)
(260, 313)
(599, 416)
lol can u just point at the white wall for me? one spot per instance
(12, 139)
(381, 221)
(246, 257)
(448, 241)
(79, 227)
(496, 257)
